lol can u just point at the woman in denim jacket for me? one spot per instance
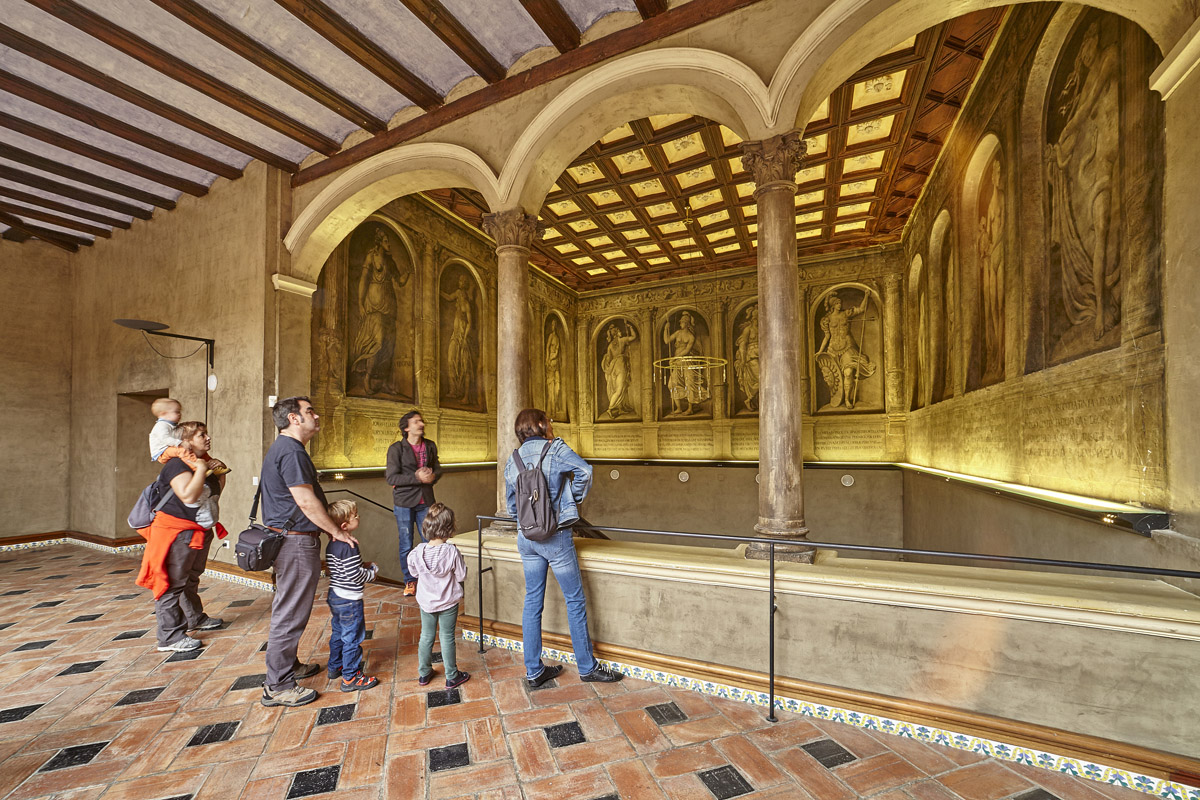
(534, 432)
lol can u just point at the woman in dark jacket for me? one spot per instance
(412, 470)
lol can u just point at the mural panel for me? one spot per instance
(557, 368)
(745, 361)
(618, 372)
(990, 225)
(686, 391)
(848, 326)
(379, 358)
(460, 341)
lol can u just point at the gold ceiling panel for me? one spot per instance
(878, 89)
(648, 188)
(585, 173)
(683, 148)
(871, 130)
(632, 161)
(660, 121)
(696, 177)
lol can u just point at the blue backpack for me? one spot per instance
(149, 502)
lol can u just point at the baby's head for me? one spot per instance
(168, 409)
(439, 523)
(345, 514)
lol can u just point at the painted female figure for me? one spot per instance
(615, 365)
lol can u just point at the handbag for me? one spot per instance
(258, 546)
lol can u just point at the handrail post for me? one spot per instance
(771, 636)
(479, 578)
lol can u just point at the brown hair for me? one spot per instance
(531, 422)
(184, 431)
(340, 511)
(439, 522)
(160, 406)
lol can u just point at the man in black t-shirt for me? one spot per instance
(292, 501)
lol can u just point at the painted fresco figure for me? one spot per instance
(378, 292)
(745, 362)
(841, 361)
(459, 358)
(686, 386)
(554, 374)
(991, 263)
(615, 366)
(1082, 171)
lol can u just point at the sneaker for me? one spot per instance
(601, 675)
(209, 624)
(410, 588)
(549, 673)
(359, 682)
(334, 674)
(184, 644)
(459, 680)
(302, 671)
(424, 680)
(295, 696)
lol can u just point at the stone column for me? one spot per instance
(427, 328)
(773, 163)
(514, 232)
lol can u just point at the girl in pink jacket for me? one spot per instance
(440, 571)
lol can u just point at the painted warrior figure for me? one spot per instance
(459, 358)
(615, 366)
(842, 364)
(687, 386)
(745, 363)
(378, 290)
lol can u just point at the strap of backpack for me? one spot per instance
(516, 453)
(167, 495)
(545, 450)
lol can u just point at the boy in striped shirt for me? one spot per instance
(347, 577)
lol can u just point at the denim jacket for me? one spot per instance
(560, 462)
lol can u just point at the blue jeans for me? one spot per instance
(348, 629)
(557, 553)
(408, 521)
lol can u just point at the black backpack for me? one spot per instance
(535, 509)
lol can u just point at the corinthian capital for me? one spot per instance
(776, 159)
(513, 227)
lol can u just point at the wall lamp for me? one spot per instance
(149, 329)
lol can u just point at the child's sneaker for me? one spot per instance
(424, 679)
(358, 683)
(459, 679)
(334, 674)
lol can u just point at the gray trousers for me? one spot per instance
(297, 569)
(189, 601)
(169, 610)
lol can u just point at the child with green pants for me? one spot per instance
(440, 571)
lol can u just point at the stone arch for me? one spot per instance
(942, 288)
(971, 289)
(366, 186)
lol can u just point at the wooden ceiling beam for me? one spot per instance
(455, 35)
(68, 243)
(33, 213)
(71, 192)
(73, 145)
(82, 176)
(231, 38)
(176, 68)
(77, 69)
(15, 235)
(54, 205)
(554, 22)
(329, 24)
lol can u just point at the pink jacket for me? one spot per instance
(440, 571)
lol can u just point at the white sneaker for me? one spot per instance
(183, 645)
(295, 696)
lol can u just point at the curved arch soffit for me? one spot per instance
(665, 317)
(938, 239)
(396, 228)
(815, 307)
(556, 314)
(472, 270)
(987, 150)
(363, 188)
(671, 80)
(848, 34)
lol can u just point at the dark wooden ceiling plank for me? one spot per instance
(49, 237)
(54, 205)
(673, 21)
(89, 116)
(72, 192)
(174, 67)
(73, 145)
(77, 69)
(554, 21)
(82, 176)
(650, 8)
(230, 37)
(16, 235)
(455, 35)
(34, 213)
(327, 22)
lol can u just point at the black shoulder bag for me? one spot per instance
(258, 546)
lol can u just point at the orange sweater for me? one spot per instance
(159, 538)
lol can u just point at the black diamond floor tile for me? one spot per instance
(1036, 794)
(725, 782)
(666, 713)
(328, 716)
(120, 571)
(17, 714)
(449, 757)
(369, 635)
(85, 618)
(211, 734)
(263, 649)
(564, 734)
(6, 625)
(34, 645)
(48, 604)
(59, 558)
(125, 597)
(829, 753)
(314, 781)
(608, 797)
(140, 696)
(14, 592)
(437, 658)
(87, 586)
(53, 577)
(89, 564)
(73, 756)
(80, 668)
(248, 682)
(28, 569)
(445, 697)
(190, 655)
(240, 604)
(120, 637)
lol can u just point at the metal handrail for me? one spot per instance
(1045, 562)
(360, 497)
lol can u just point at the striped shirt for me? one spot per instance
(347, 575)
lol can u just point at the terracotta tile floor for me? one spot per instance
(89, 709)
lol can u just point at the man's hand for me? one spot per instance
(342, 536)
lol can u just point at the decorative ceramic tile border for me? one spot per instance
(122, 550)
(1159, 787)
(11, 548)
(241, 580)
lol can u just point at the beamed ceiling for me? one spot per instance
(668, 196)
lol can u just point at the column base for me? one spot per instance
(502, 527)
(792, 535)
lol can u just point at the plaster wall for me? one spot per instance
(36, 327)
(210, 267)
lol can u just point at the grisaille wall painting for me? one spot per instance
(990, 223)
(378, 302)
(848, 339)
(460, 340)
(557, 368)
(745, 361)
(618, 372)
(683, 392)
